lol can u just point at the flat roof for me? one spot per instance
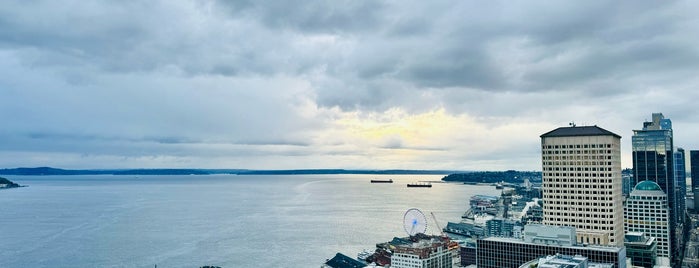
(579, 131)
(518, 241)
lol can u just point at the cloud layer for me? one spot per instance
(340, 84)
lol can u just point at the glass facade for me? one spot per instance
(641, 249)
(653, 155)
(694, 166)
(504, 253)
(681, 182)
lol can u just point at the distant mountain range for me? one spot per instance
(39, 171)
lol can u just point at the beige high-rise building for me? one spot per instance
(582, 184)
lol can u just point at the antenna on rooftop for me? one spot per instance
(572, 124)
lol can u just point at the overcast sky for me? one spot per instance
(463, 85)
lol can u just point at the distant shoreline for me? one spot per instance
(48, 171)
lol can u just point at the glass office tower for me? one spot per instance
(681, 181)
(653, 160)
(694, 166)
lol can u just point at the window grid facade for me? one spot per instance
(582, 186)
(498, 253)
(647, 212)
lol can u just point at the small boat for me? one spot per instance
(420, 184)
(382, 181)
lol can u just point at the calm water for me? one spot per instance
(226, 220)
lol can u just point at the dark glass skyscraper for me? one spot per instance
(653, 160)
(681, 181)
(694, 165)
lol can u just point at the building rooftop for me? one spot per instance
(647, 186)
(519, 241)
(638, 238)
(579, 131)
(565, 261)
(342, 261)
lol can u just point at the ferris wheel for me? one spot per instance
(414, 222)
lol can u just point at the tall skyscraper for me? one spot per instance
(582, 183)
(646, 211)
(653, 160)
(694, 168)
(681, 183)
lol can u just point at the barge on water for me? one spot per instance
(420, 184)
(382, 181)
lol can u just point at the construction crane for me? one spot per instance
(437, 223)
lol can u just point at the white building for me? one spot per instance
(433, 252)
(646, 211)
(582, 185)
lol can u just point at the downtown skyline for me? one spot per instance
(348, 84)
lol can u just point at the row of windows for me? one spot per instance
(588, 209)
(657, 223)
(578, 169)
(576, 152)
(576, 163)
(650, 212)
(586, 186)
(548, 193)
(565, 204)
(571, 174)
(633, 207)
(634, 199)
(544, 158)
(588, 215)
(578, 180)
(585, 200)
(652, 208)
(579, 224)
(577, 146)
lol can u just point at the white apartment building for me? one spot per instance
(582, 185)
(426, 253)
(646, 211)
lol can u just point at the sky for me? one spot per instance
(449, 85)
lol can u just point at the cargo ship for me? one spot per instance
(382, 181)
(419, 184)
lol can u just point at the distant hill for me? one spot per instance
(343, 171)
(43, 171)
(510, 176)
(5, 183)
(39, 171)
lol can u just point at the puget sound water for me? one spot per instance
(222, 220)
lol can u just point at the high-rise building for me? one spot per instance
(646, 211)
(582, 183)
(653, 160)
(681, 181)
(680, 199)
(694, 169)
